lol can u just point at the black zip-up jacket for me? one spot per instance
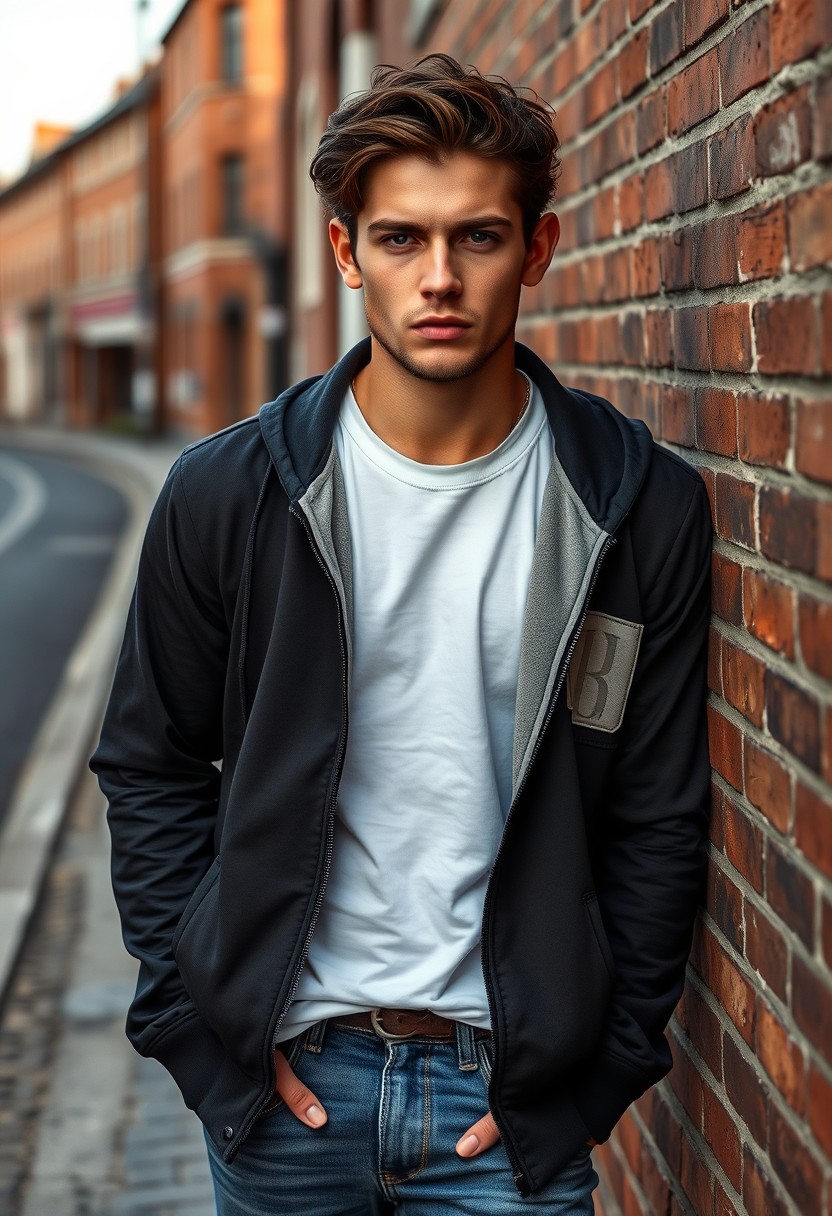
(237, 649)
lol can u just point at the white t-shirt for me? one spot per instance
(441, 561)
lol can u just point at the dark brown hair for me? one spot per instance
(430, 109)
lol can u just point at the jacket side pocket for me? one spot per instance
(591, 905)
(202, 888)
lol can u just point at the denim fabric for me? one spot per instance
(395, 1112)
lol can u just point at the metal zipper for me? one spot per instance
(330, 828)
(520, 1178)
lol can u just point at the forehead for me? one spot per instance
(461, 184)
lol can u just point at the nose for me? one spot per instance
(439, 274)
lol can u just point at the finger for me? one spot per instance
(478, 1138)
(301, 1101)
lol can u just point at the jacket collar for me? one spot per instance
(604, 455)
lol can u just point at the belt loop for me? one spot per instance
(466, 1047)
(315, 1037)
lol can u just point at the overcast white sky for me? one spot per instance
(60, 59)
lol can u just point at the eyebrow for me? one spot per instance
(479, 221)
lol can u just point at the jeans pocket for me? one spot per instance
(291, 1049)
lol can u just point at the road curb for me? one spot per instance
(65, 738)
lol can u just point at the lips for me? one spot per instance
(442, 327)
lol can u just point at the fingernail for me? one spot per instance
(468, 1146)
(315, 1116)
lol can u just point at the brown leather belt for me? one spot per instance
(406, 1024)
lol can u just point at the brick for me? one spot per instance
(783, 134)
(690, 338)
(810, 232)
(798, 29)
(793, 718)
(630, 202)
(726, 982)
(729, 327)
(763, 427)
(735, 510)
(780, 1056)
(813, 828)
(704, 1030)
(693, 94)
(689, 175)
(685, 1080)
(744, 57)
(826, 933)
(766, 949)
(632, 63)
(827, 746)
(743, 844)
(676, 260)
(639, 7)
(600, 93)
(743, 682)
(715, 661)
(722, 1204)
(823, 123)
(823, 518)
(746, 1093)
(785, 331)
(826, 333)
(651, 120)
(715, 252)
(666, 37)
(726, 584)
(761, 241)
(768, 606)
(732, 158)
(788, 528)
(702, 17)
(658, 338)
(644, 268)
(724, 903)
(615, 275)
(815, 617)
(767, 785)
(820, 1110)
(725, 746)
(796, 1167)
(632, 339)
(722, 1137)
(659, 191)
(758, 1191)
(677, 415)
(791, 896)
(716, 421)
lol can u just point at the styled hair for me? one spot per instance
(431, 109)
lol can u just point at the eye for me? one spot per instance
(398, 240)
(482, 238)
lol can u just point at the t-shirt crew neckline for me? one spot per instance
(446, 476)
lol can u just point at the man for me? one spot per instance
(443, 620)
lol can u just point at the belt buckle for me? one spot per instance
(375, 1018)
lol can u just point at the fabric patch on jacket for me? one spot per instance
(601, 671)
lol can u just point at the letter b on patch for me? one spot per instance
(601, 671)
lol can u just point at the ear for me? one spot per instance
(348, 267)
(541, 248)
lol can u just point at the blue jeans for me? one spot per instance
(395, 1112)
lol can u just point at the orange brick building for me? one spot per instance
(224, 215)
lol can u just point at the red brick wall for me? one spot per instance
(691, 287)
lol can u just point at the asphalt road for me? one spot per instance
(59, 528)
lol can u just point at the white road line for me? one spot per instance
(28, 504)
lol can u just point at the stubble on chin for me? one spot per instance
(440, 375)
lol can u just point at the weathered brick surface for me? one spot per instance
(694, 291)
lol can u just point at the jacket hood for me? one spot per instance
(604, 455)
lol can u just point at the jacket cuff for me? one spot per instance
(606, 1088)
(193, 1055)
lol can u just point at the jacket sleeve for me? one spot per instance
(651, 860)
(155, 760)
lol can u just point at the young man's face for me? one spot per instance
(441, 257)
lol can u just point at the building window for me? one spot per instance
(232, 195)
(231, 17)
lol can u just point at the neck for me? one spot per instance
(441, 421)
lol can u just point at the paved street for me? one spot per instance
(87, 1127)
(59, 526)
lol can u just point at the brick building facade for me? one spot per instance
(692, 288)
